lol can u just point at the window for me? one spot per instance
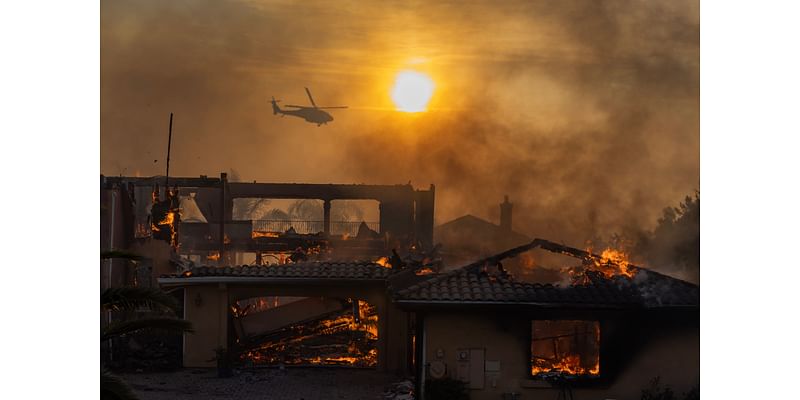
(565, 347)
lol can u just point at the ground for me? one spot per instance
(291, 383)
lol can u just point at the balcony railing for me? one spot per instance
(349, 228)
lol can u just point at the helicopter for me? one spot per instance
(311, 114)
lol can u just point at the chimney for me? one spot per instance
(505, 214)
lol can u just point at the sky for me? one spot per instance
(584, 112)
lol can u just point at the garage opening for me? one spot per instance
(306, 331)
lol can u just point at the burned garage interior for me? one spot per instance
(302, 284)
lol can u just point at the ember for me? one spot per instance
(611, 262)
(259, 234)
(383, 262)
(566, 347)
(342, 338)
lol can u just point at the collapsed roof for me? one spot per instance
(472, 284)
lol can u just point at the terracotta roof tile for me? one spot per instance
(355, 270)
(468, 284)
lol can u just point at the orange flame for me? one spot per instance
(213, 256)
(258, 234)
(383, 262)
(612, 262)
(355, 355)
(570, 364)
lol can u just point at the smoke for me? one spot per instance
(586, 113)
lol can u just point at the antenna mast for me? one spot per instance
(169, 148)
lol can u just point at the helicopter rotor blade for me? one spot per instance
(311, 98)
(294, 106)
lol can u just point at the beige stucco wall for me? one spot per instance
(205, 306)
(675, 357)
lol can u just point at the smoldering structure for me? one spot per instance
(386, 299)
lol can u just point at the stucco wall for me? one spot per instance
(674, 355)
(205, 306)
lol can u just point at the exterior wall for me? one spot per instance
(206, 307)
(113, 272)
(158, 252)
(675, 356)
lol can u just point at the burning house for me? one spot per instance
(298, 297)
(604, 333)
(374, 296)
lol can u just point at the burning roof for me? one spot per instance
(603, 281)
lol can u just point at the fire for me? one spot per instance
(169, 218)
(383, 262)
(612, 262)
(571, 365)
(565, 347)
(423, 271)
(213, 256)
(344, 339)
(258, 234)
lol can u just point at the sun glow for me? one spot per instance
(412, 91)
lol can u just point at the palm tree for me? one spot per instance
(159, 308)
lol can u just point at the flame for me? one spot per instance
(345, 236)
(310, 337)
(570, 364)
(383, 262)
(258, 234)
(612, 262)
(423, 271)
(169, 223)
(213, 256)
(169, 218)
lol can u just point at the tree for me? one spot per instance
(674, 244)
(159, 310)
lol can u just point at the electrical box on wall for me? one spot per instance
(470, 367)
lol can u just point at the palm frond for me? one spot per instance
(164, 324)
(133, 298)
(113, 387)
(121, 254)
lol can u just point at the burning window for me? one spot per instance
(565, 347)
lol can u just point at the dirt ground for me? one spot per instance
(290, 383)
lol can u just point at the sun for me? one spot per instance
(412, 90)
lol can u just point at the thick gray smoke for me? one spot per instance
(586, 113)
